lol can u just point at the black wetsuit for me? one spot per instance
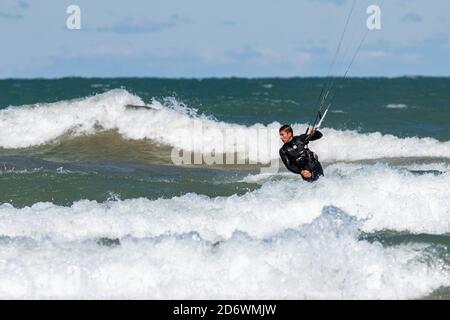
(297, 157)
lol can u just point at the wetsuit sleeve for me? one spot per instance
(290, 166)
(315, 136)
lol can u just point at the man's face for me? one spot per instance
(285, 136)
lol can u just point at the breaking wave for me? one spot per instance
(175, 125)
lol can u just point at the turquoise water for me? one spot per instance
(93, 205)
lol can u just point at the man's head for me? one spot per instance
(286, 133)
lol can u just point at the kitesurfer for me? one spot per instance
(297, 157)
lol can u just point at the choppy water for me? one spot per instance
(92, 205)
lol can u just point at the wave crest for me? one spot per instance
(173, 124)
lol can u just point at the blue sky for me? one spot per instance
(221, 38)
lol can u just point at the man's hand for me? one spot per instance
(305, 174)
(311, 130)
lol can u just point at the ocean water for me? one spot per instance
(93, 205)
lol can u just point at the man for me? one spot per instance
(297, 157)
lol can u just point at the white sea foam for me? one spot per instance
(439, 166)
(320, 260)
(288, 239)
(27, 126)
(180, 127)
(384, 197)
(396, 106)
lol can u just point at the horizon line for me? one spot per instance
(222, 77)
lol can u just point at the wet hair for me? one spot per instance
(286, 128)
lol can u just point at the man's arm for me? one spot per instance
(316, 135)
(291, 167)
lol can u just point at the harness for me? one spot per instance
(307, 157)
